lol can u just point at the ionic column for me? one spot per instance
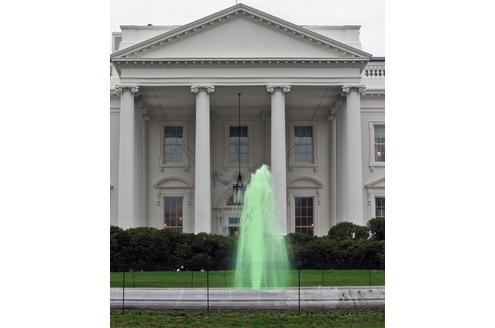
(202, 171)
(278, 152)
(351, 161)
(127, 208)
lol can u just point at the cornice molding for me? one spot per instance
(203, 88)
(250, 13)
(273, 88)
(373, 93)
(154, 62)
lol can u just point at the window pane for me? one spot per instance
(303, 144)
(380, 207)
(238, 144)
(379, 143)
(117, 41)
(304, 215)
(173, 218)
(174, 148)
(234, 221)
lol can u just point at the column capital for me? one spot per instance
(134, 89)
(202, 88)
(357, 87)
(273, 88)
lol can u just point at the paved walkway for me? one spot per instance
(364, 297)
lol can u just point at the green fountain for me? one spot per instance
(261, 259)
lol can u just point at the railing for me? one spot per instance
(374, 70)
(306, 289)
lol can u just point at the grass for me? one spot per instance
(339, 319)
(188, 279)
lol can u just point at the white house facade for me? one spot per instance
(312, 107)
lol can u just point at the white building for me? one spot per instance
(312, 108)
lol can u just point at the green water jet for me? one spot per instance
(261, 259)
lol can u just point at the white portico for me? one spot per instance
(173, 123)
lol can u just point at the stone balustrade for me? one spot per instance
(374, 70)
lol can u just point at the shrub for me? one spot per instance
(377, 228)
(166, 249)
(153, 249)
(359, 254)
(295, 244)
(114, 229)
(325, 253)
(348, 231)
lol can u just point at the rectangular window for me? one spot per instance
(174, 148)
(233, 226)
(379, 207)
(304, 215)
(303, 144)
(116, 42)
(234, 221)
(173, 213)
(238, 144)
(379, 139)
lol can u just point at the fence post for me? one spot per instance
(323, 277)
(299, 289)
(207, 293)
(192, 279)
(133, 280)
(225, 275)
(369, 278)
(123, 290)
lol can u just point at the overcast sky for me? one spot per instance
(370, 14)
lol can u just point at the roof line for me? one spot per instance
(247, 9)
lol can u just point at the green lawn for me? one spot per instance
(339, 319)
(187, 279)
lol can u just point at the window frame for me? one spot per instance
(226, 148)
(226, 224)
(292, 162)
(116, 35)
(372, 161)
(183, 211)
(374, 206)
(294, 193)
(185, 157)
(373, 193)
(313, 216)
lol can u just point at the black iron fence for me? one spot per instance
(216, 289)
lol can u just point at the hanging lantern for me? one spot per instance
(238, 188)
(238, 191)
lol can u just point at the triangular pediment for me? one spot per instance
(240, 32)
(378, 183)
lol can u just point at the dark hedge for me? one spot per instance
(151, 249)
